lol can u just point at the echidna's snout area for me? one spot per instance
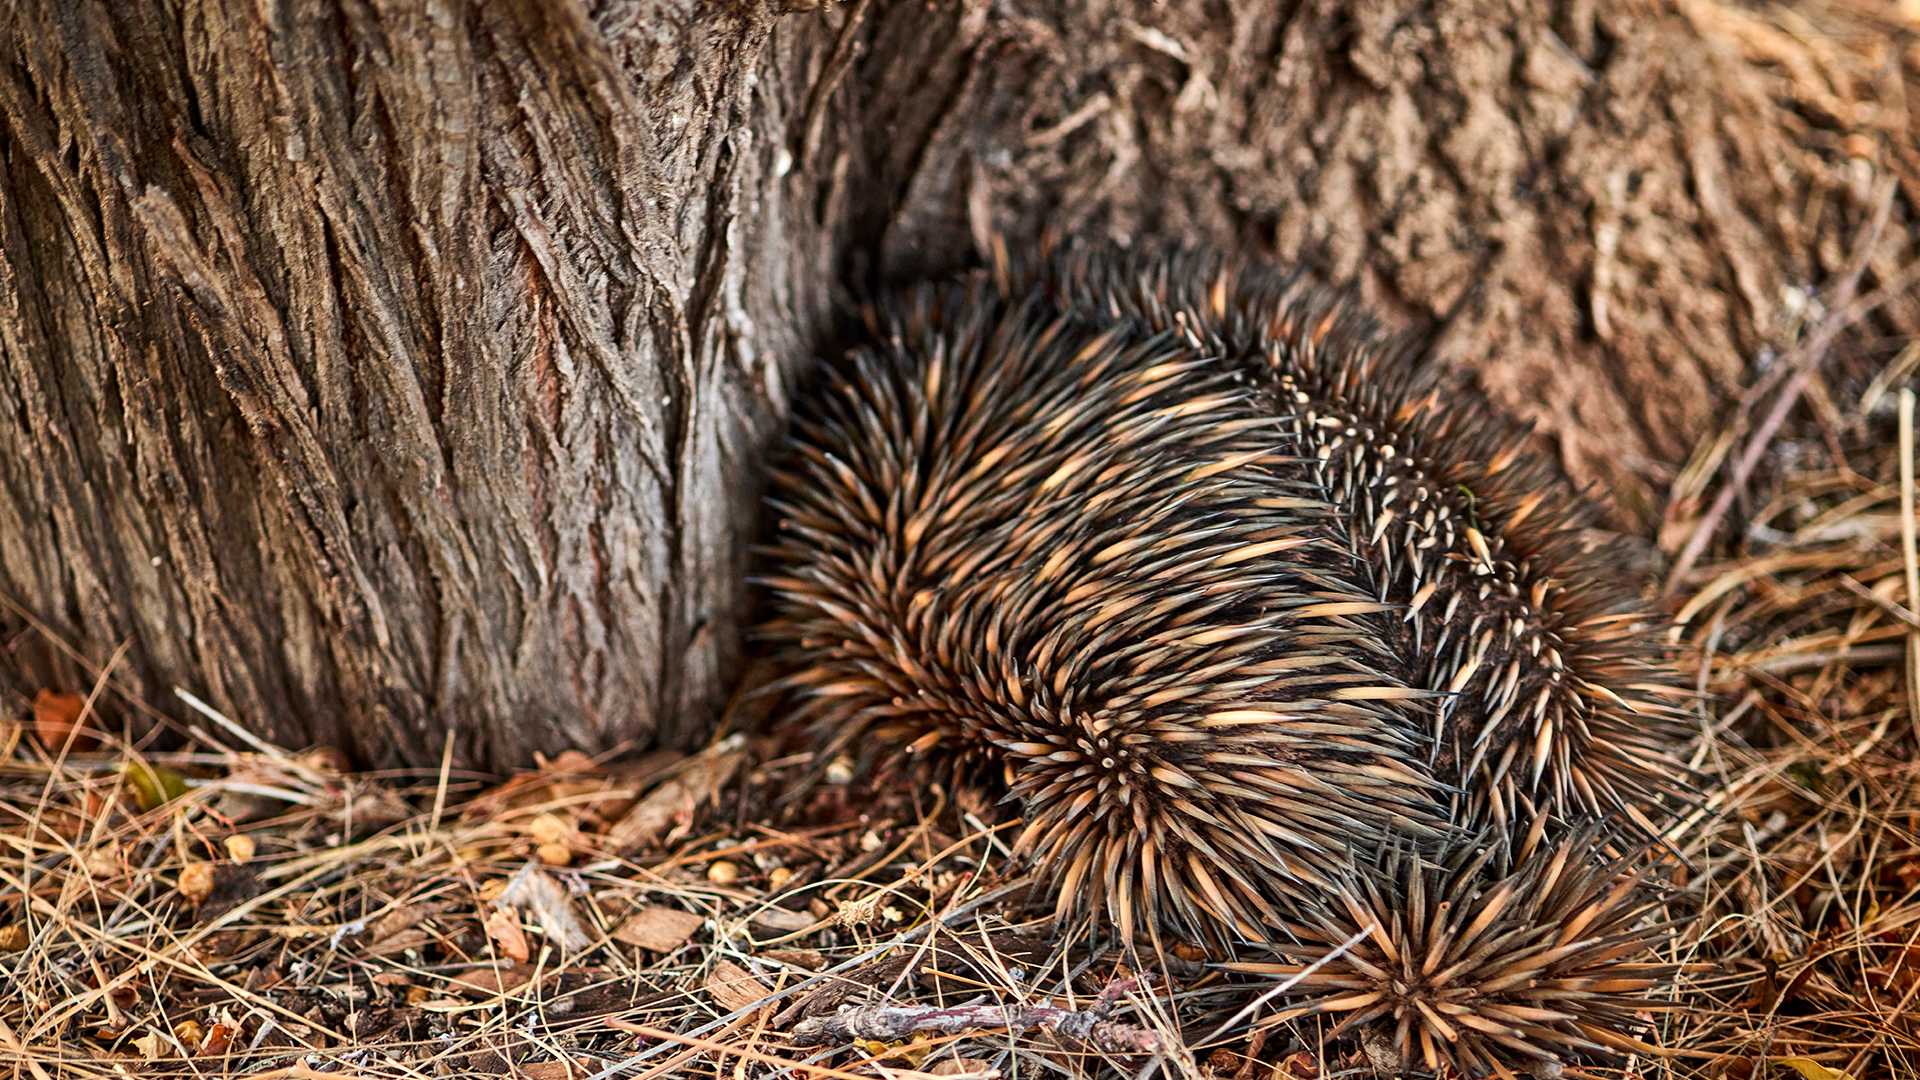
(1281, 643)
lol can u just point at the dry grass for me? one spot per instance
(279, 915)
(1807, 856)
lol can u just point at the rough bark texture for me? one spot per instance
(376, 369)
(373, 369)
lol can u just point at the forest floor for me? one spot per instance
(249, 908)
(246, 908)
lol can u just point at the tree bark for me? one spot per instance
(379, 370)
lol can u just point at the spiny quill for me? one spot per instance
(1483, 975)
(1541, 658)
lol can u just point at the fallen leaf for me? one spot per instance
(660, 929)
(535, 892)
(104, 861)
(56, 719)
(1812, 1069)
(219, 1039)
(404, 917)
(1301, 1066)
(700, 779)
(732, 987)
(399, 943)
(151, 1046)
(482, 982)
(810, 959)
(152, 787)
(503, 926)
(782, 920)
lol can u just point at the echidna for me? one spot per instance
(1237, 596)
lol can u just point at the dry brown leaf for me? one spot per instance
(660, 929)
(1301, 1066)
(503, 927)
(810, 959)
(485, 981)
(675, 801)
(56, 717)
(404, 917)
(218, 1041)
(732, 987)
(782, 920)
(151, 1046)
(105, 861)
(533, 891)
(399, 943)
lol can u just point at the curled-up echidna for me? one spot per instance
(1233, 594)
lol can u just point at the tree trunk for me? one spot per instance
(376, 370)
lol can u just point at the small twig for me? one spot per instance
(1898, 611)
(1840, 314)
(440, 788)
(819, 979)
(888, 1022)
(226, 723)
(13, 1043)
(1909, 551)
